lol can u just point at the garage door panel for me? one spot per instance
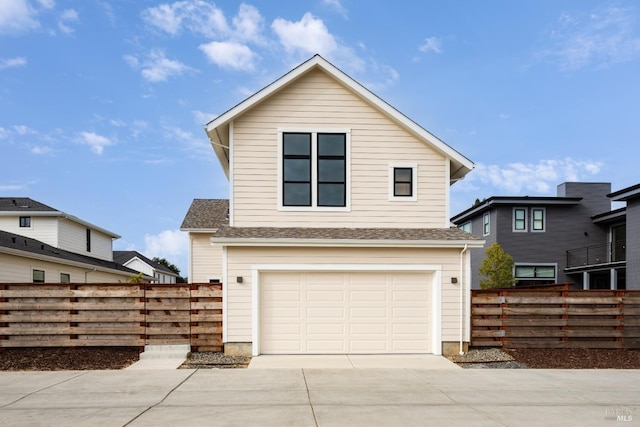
(346, 312)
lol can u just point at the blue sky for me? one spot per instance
(102, 103)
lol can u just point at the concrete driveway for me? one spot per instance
(321, 397)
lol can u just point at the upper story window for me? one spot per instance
(403, 181)
(88, 240)
(25, 221)
(519, 219)
(486, 224)
(314, 169)
(538, 219)
(466, 227)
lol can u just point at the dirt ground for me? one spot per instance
(90, 358)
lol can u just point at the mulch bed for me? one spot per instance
(97, 358)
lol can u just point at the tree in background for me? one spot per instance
(497, 267)
(171, 267)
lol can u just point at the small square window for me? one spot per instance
(403, 182)
(65, 278)
(25, 222)
(38, 276)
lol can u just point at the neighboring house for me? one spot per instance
(136, 261)
(336, 237)
(41, 244)
(572, 238)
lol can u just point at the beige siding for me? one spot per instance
(316, 102)
(18, 269)
(240, 261)
(73, 238)
(44, 229)
(206, 259)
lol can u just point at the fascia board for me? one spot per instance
(349, 243)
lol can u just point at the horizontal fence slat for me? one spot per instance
(78, 314)
(558, 318)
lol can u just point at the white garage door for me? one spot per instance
(342, 313)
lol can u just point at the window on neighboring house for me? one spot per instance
(538, 221)
(466, 227)
(519, 219)
(38, 276)
(88, 240)
(486, 224)
(25, 221)
(65, 278)
(314, 169)
(535, 274)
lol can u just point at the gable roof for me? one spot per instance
(16, 244)
(123, 257)
(24, 205)
(218, 129)
(211, 215)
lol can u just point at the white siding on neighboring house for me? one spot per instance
(19, 269)
(317, 102)
(73, 238)
(241, 262)
(42, 228)
(206, 259)
(138, 265)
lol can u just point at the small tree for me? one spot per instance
(497, 267)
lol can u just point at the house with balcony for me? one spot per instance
(574, 237)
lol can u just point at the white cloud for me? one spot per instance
(47, 4)
(540, 178)
(4, 134)
(17, 16)
(166, 244)
(95, 141)
(602, 38)
(41, 150)
(198, 145)
(18, 61)
(156, 67)
(66, 17)
(337, 7)
(431, 44)
(198, 16)
(309, 35)
(202, 117)
(229, 55)
(24, 130)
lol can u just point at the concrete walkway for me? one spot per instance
(321, 397)
(343, 361)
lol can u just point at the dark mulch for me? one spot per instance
(577, 358)
(96, 358)
(67, 359)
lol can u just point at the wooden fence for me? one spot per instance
(555, 318)
(118, 314)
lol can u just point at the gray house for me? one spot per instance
(574, 237)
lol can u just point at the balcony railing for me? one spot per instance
(606, 253)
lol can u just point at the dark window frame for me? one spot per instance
(88, 240)
(38, 280)
(335, 158)
(397, 181)
(286, 157)
(25, 222)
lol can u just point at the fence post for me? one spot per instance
(503, 316)
(144, 313)
(620, 318)
(73, 312)
(2, 313)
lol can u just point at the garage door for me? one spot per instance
(345, 313)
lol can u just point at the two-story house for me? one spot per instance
(336, 237)
(136, 261)
(574, 237)
(41, 244)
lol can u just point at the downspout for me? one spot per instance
(462, 281)
(87, 272)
